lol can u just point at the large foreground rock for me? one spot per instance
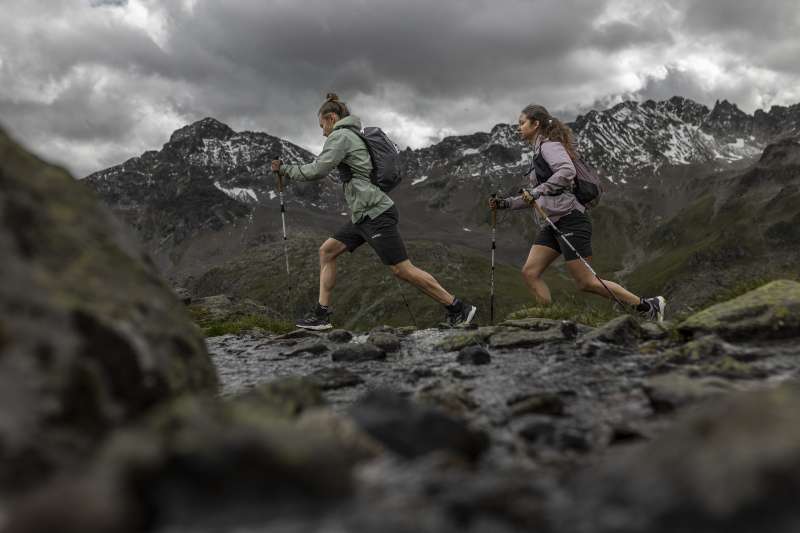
(771, 311)
(731, 467)
(90, 337)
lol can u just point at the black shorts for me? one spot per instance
(381, 234)
(577, 228)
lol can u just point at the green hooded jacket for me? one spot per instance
(344, 145)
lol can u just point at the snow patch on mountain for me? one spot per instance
(238, 193)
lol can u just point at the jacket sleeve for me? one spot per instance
(333, 152)
(562, 166)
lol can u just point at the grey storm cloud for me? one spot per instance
(89, 83)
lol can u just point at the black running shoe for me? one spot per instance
(462, 316)
(657, 307)
(318, 320)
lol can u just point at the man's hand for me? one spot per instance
(276, 165)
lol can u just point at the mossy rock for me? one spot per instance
(771, 311)
(460, 340)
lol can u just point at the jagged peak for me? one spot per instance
(208, 127)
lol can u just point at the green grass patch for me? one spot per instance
(246, 323)
(584, 313)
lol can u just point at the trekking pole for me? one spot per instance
(541, 212)
(494, 246)
(283, 216)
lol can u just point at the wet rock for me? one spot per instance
(526, 339)
(728, 467)
(711, 347)
(312, 347)
(546, 403)
(388, 342)
(340, 335)
(92, 337)
(569, 329)
(474, 355)
(452, 399)
(355, 353)
(671, 391)
(538, 430)
(771, 311)
(654, 331)
(343, 429)
(286, 397)
(299, 334)
(412, 430)
(334, 378)
(535, 324)
(548, 432)
(624, 330)
(458, 341)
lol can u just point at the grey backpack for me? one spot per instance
(384, 155)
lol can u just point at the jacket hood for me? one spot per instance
(349, 121)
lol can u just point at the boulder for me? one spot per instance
(624, 330)
(388, 342)
(357, 353)
(90, 336)
(340, 335)
(411, 430)
(526, 338)
(474, 355)
(730, 466)
(771, 311)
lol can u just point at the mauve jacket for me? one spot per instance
(556, 197)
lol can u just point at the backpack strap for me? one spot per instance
(344, 169)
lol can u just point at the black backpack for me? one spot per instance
(384, 155)
(588, 188)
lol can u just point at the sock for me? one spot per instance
(323, 308)
(644, 305)
(455, 306)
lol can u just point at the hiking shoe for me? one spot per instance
(657, 307)
(318, 320)
(461, 316)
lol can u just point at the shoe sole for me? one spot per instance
(470, 316)
(315, 328)
(662, 308)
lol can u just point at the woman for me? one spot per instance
(373, 217)
(552, 177)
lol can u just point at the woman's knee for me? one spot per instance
(531, 273)
(587, 284)
(400, 272)
(327, 253)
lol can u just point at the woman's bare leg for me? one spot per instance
(328, 252)
(417, 277)
(587, 282)
(539, 258)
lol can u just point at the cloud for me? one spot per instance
(90, 83)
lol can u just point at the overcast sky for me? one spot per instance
(91, 83)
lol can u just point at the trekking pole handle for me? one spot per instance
(278, 174)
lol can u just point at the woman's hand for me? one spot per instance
(499, 203)
(276, 165)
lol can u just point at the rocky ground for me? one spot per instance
(548, 424)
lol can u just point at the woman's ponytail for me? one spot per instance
(552, 128)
